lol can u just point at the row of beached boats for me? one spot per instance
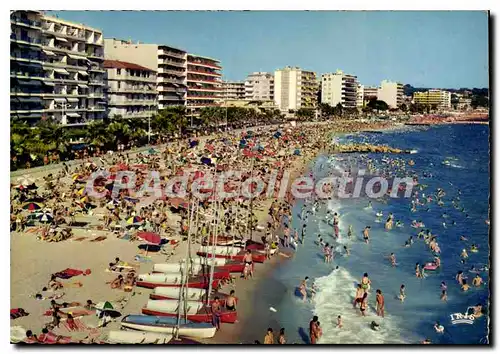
(180, 303)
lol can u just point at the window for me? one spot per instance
(119, 71)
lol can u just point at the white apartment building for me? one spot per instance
(294, 89)
(370, 93)
(259, 86)
(56, 70)
(340, 88)
(391, 93)
(168, 62)
(360, 96)
(131, 91)
(233, 90)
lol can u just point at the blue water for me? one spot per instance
(466, 147)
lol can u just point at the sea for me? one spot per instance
(454, 158)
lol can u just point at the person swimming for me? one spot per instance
(402, 293)
(365, 282)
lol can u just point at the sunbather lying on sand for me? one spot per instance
(129, 281)
(54, 284)
(117, 283)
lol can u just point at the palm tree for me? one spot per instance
(97, 133)
(120, 132)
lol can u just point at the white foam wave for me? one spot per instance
(334, 297)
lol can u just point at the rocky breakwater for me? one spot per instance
(367, 148)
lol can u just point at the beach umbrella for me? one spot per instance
(46, 218)
(206, 161)
(32, 206)
(106, 309)
(150, 237)
(193, 143)
(134, 220)
(152, 151)
(81, 191)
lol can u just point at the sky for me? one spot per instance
(439, 49)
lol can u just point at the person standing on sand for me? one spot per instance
(231, 301)
(216, 312)
(364, 304)
(380, 303)
(358, 296)
(269, 338)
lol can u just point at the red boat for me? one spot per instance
(259, 258)
(218, 274)
(205, 316)
(154, 280)
(210, 301)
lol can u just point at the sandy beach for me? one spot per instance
(34, 260)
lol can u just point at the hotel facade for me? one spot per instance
(294, 89)
(340, 88)
(440, 99)
(131, 91)
(259, 86)
(233, 90)
(56, 70)
(391, 93)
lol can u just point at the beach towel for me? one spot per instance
(142, 259)
(17, 313)
(74, 313)
(98, 239)
(52, 338)
(69, 273)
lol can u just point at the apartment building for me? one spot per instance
(391, 93)
(360, 96)
(294, 89)
(438, 98)
(233, 90)
(168, 62)
(259, 86)
(204, 84)
(131, 91)
(56, 70)
(340, 88)
(370, 93)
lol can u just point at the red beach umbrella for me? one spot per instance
(150, 237)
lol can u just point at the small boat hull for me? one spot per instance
(137, 337)
(167, 325)
(205, 316)
(174, 293)
(259, 258)
(152, 281)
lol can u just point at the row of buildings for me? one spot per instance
(71, 73)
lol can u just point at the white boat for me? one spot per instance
(174, 293)
(168, 325)
(161, 278)
(204, 261)
(176, 268)
(221, 250)
(137, 337)
(172, 306)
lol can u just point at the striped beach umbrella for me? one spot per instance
(32, 206)
(134, 220)
(46, 218)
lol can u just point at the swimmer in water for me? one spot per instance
(464, 254)
(463, 238)
(444, 296)
(339, 321)
(402, 293)
(477, 281)
(459, 277)
(303, 288)
(418, 273)
(347, 252)
(438, 327)
(443, 286)
(392, 257)
(465, 286)
(350, 232)
(365, 282)
(366, 234)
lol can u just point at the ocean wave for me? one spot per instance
(334, 297)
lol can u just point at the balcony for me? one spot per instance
(169, 80)
(95, 109)
(132, 102)
(26, 58)
(70, 35)
(95, 83)
(172, 72)
(97, 70)
(170, 98)
(203, 79)
(164, 52)
(206, 64)
(95, 95)
(201, 72)
(202, 97)
(26, 23)
(180, 64)
(132, 90)
(150, 79)
(58, 48)
(143, 114)
(60, 64)
(34, 42)
(28, 75)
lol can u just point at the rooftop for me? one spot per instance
(108, 64)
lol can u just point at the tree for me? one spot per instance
(339, 110)
(213, 115)
(378, 105)
(97, 133)
(403, 108)
(305, 114)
